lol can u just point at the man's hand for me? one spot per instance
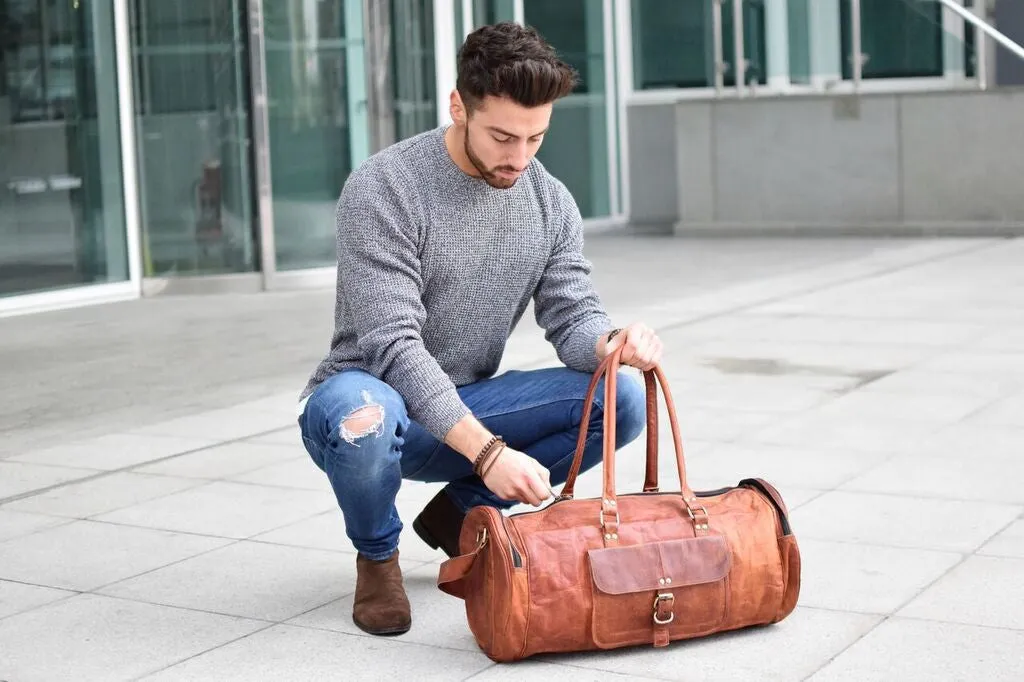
(517, 476)
(641, 346)
(514, 476)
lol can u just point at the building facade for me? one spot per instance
(152, 146)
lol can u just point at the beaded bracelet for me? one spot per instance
(495, 440)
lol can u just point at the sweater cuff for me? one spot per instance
(581, 348)
(440, 412)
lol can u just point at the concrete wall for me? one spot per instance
(945, 161)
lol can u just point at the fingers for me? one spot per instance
(641, 347)
(535, 486)
(519, 477)
(545, 477)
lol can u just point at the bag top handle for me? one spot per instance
(609, 369)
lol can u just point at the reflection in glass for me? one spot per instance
(799, 33)
(487, 12)
(191, 106)
(674, 46)
(575, 150)
(899, 38)
(412, 62)
(61, 207)
(316, 98)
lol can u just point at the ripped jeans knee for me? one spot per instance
(354, 421)
(363, 422)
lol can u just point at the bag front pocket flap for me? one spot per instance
(659, 565)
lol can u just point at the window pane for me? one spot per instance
(754, 48)
(412, 61)
(970, 43)
(487, 12)
(61, 206)
(192, 113)
(316, 95)
(899, 38)
(674, 43)
(575, 149)
(799, 30)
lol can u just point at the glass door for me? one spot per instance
(413, 66)
(192, 120)
(317, 119)
(61, 206)
(577, 148)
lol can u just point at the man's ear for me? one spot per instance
(457, 108)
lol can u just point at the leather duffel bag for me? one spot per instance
(645, 568)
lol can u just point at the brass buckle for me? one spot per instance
(601, 516)
(690, 512)
(664, 597)
(697, 525)
(481, 537)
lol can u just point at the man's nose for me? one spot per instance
(519, 156)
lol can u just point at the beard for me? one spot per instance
(490, 175)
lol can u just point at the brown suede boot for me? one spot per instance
(381, 606)
(440, 523)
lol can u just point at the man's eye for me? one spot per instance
(503, 140)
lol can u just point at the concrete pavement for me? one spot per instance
(160, 520)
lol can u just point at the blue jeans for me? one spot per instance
(537, 412)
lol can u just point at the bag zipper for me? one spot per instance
(517, 559)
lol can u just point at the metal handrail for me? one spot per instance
(986, 27)
(967, 15)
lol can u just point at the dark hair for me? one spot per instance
(514, 61)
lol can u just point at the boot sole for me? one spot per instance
(384, 632)
(421, 530)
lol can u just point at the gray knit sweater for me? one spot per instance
(435, 269)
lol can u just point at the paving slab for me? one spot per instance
(900, 521)
(1008, 543)
(805, 467)
(297, 472)
(253, 580)
(17, 478)
(100, 495)
(225, 460)
(863, 578)
(90, 637)
(985, 478)
(983, 590)
(327, 531)
(870, 435)
(786, 651)
(113, 451)
(922, 651)
(439, 620)
(224, 509)
(17, 597)
(220, 425)
(15, 524)
(296, 653)
(85, 555)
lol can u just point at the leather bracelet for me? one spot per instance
(489, 464)
(478, 462)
